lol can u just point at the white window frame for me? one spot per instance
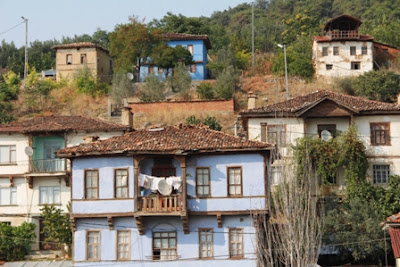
(12, 154)
(9, 195)
(51, 197)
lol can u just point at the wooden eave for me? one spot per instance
(302, 111)
(269, 114)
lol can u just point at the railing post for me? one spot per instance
(182, 161)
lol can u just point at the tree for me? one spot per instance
(168, 57)
(152, 89)
(86, 83)
(226, 83)
(132, 43)
(56, 226)
(16, 241)
(102, 38)
(122, 88)
(205, 90)
(180, 24)
(181, 80)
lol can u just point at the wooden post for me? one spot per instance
(182, 161)
(136, 188)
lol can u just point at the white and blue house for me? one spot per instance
(197, 45)
(179, 195)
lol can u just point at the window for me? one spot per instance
(164, 246)
(93, 245)
(352, 50)
(91, 184)
(203, 182)
(8, 154)
(236, 243)
(329, 66)
(380, 134)
(205, 243)
(335, 50)
(6, 223)
(49, 195)
(83, 58)
(160, 70)
(121, 183)
(69, 59)
(123, 245)
(364, 50)
(380, 174)
(324, 51)
(151, 69)
(8, 196)
(190, 48)
(385, 51)
(275, 134)
(192, 68)
(355, 65)
(234, 181)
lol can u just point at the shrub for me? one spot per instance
(15, 241)
(152, 89)
(209, 121)
(205, 90)
(86, 83)
(226, 83)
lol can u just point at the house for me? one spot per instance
(343, 51)
(179, 195)
(392, 224)
(30, 175)
(325, 113)
(197, 45)
(71, 58)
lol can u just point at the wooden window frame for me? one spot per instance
(206, 231)
(83, 58)
(364, 50)
(231, 232)
(386, 131)
(68, 62)
(192, 68)
(93, 244)
(353, 51)
(329, 66)
(118, 243)
(11, 148)
(158, 257)
(126, 186)
(354, 64)
(324, 51)
(336, 50)
(385, 171)
(209, 182)
(229, 184)
(86, 188)
(150, 69)
(265, 131)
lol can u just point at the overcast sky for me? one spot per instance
(49, 19)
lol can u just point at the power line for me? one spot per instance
(12, 28)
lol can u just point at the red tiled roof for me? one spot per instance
(79, 45)
(299, 103)
(395, 218)
(60, 124)
(186, 36)
(395, 240)
(322, 39)
(179, 139)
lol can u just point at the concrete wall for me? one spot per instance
(342, 62)
(187, 244)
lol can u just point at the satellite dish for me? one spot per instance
(28, 151)
(164, 188)
(326, 135)
(130, 76)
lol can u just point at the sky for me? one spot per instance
(52, 19)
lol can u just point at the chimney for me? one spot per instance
(127, 117)
(251, 100)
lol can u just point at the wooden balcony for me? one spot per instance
(168, 205)
(339, 35)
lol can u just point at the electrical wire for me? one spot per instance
(12, 28)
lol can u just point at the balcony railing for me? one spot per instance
(48, 165)
(335, 35)
(165, 204)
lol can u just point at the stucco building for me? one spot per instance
(179, 195)
(30, 174)
(70, 58)
(197, 45)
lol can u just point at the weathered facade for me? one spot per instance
(71, 58)
(323, 114)
(131, 216)
(30, 174)
(197, 45)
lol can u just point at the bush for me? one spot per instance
(209, 121)
(181, 80)
(205, 90)
(15, 241)
(86, 83)
(152, 89)
(226, 83)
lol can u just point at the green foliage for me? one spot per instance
(152, 89)
(226, 83)
(168, 57)
(6, 112)
(181, 80)
(211, 122)
(224, 58)
(205, 90)
(180, 24)
(15, 241)
(122, 88)
(242, 59)
(86, 83)
(11, 88)
(56, 226)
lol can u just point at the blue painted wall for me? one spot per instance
(199, 54)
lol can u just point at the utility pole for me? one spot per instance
(252, 36)
(286, 72)
(26, 47)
